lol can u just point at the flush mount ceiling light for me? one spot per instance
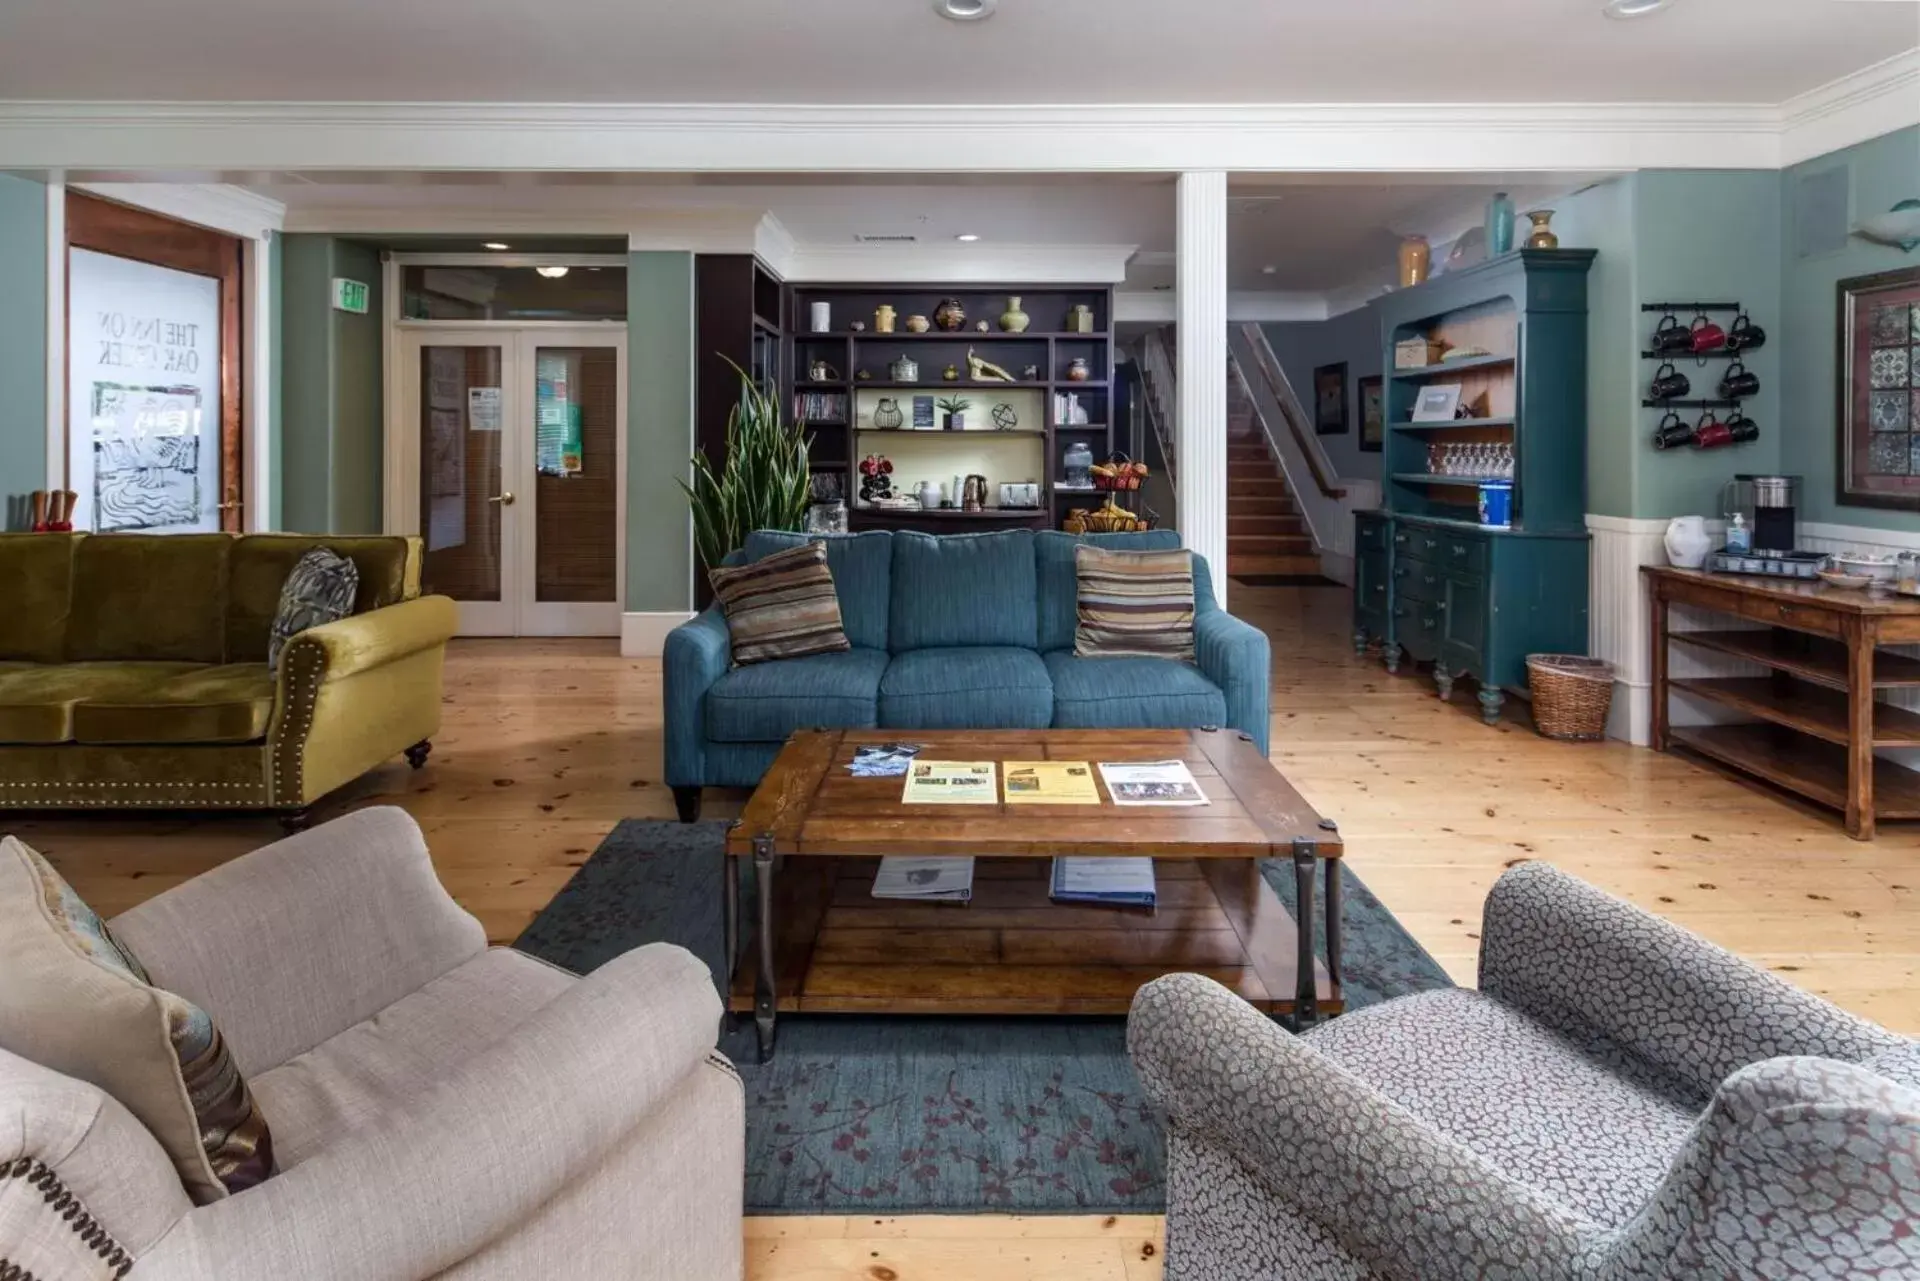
(965, 10)
(494, 244)
(966, 237)
(552, 273)
(1633, 8)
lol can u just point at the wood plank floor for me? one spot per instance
(548, 743)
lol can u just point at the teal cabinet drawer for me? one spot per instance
(1455, 553)
(1371, 589)
(1418, 579)
(1416, 626)
(1463, 623)
(1370, 534)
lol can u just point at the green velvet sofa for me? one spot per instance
(133, 672)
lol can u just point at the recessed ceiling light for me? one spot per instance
(967, 237)
(965, 10)
(1633, 8)
(552, 273)
(494, 244)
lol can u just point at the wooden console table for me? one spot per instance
(1818, 721)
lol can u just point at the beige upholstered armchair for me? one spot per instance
(437, 1108)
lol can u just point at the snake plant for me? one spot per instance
(761, 483)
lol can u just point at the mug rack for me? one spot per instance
(1723, 353)
(1689, 404)
(1663, 307)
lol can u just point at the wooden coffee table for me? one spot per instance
(824, 944)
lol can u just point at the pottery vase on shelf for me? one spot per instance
(950, 374)
(904, 369)
(1688, 542)
(917, 324)
(1500, 216)
(1080, 319)
(949, 315)
(1077, 371)
(1416, 256)
(1013, 320)
(883, 319)
(930, 495)
(1541, 237)
(820, 317)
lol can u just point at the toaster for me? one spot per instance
(1019, 493)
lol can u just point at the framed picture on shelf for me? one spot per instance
(1438, 403)
(1877, 372)
(1373, 413)
(1330, 399)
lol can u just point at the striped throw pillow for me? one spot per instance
(781, 606)
(1134, 604)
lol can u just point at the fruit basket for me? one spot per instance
(1118, 472)
(1109, 518)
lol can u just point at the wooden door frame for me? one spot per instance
(108, 227)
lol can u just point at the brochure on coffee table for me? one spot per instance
(944, 880)
(1126, 882)
(1151, 783)
(950, 783)
(1051, 783)
(883, 760)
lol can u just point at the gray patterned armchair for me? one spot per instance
(1619, 1100)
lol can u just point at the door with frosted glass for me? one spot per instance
(518, 497)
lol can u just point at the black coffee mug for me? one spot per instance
(1669, 383)
(1672, 432)
(1744, 335)
(1738, 382)
(1741, 428)
(1672, 337)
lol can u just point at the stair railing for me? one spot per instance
(1325, 478)
(1156, 364)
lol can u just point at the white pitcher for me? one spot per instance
(1687, 542)
(930, 494)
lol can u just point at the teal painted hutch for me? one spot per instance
(1430, 582)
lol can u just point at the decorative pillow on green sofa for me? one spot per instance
(76, 1001)
(781, 606)
(319, 590)
(1134, 604)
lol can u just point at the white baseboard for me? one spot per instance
(644, 635)
(1338, 566)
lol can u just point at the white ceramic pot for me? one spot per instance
(1687, 542)
(929, 493)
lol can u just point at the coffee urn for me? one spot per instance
(1770, 504)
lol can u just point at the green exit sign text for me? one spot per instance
(349, 295)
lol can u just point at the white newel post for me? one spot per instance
(1201, 450)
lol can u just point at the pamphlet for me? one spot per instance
(1127, 882)
(1151, 783)
(950, 783)
(1051, 783)
(945, 880)
(883, 760)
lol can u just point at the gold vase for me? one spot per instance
(883, 319)
(1541, 237)
(1415, 257)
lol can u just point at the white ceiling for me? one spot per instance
(1320, 233)
(888, 51)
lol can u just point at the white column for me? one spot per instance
(1200, 454)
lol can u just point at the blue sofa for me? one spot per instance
(964, 631)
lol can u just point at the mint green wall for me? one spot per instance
(275, 348)
(659, 430)
(1882, 171)
(23, 346)
(1303, 345)
(330, 390)
(1601, 217)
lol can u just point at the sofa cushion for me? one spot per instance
(150, 597)
(38, 572)
(37, 700)
(962, 589)
(765, 702)
(1058, 586)
(1139, 693)
(319, 590)
(1134, 604)
(76, 1001)
(967, 687)
(395, 1058)
(862, 566)
(226, 704)
(780, 606)
(258, 568)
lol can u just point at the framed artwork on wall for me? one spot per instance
(1330, 399)
(1373, 413)
(1877, 377)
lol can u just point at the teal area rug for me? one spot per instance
(919, 1115)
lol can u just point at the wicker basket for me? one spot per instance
(1571, 695)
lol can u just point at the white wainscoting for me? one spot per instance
(1336, 551)
(644, 635)
(1619, 617)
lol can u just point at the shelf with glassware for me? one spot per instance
(1036, 380)
(1478, 554)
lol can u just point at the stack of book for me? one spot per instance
(820, 406)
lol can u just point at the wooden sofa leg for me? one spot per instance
(687, 801)
(299, 820)
(417, 754)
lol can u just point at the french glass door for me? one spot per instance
(520, 491)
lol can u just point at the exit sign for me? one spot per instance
(349, 295)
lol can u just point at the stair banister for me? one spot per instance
(1325, 478)
(1157, 363)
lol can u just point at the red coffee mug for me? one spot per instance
(1707, 336)
(1711, 433)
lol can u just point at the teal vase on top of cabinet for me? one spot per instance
(1504, 341)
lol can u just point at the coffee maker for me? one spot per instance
(1771, 506)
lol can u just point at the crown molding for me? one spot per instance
(982, 263)
(845, 138)
(221, 207)
(1157, 306)
(775, 245)
(1873, 101)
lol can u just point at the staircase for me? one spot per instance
(1265, 532)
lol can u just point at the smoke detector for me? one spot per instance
(965, 10)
